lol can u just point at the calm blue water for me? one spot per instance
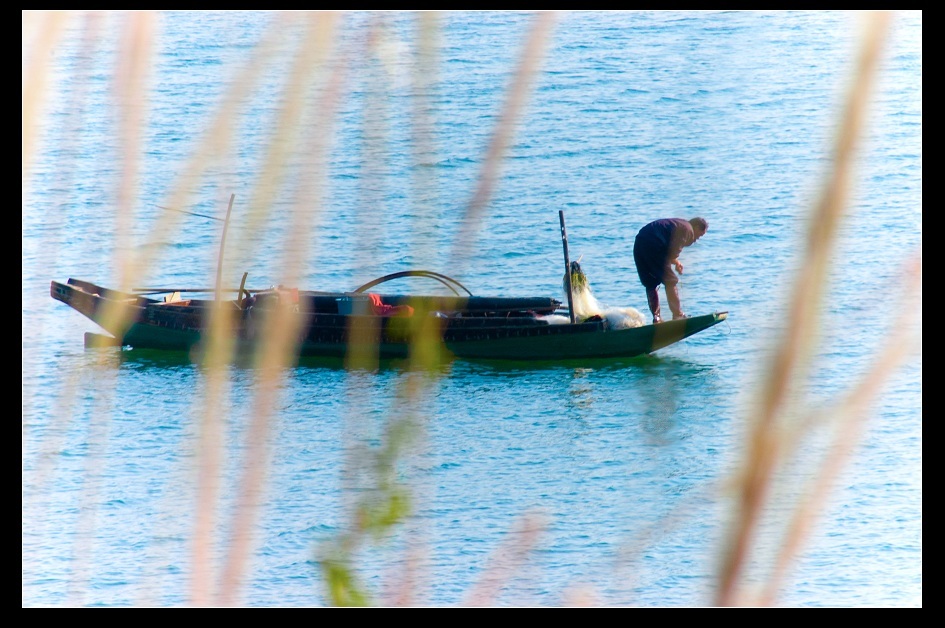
(632, 116)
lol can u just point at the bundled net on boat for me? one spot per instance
(586, 306)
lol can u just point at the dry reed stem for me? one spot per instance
(39, 498)
(130, 90)
(765, 451)
(407, 425)
(507, 559)
(424, 352)
(631, 552)
(218, 354)
(279, 340)
(359, 466)
(361, 355)
(406, 579)
(131, 87)
(423, 126)
(424, 357)
(65, 172)
(45, 28)
(851, 413)
(283, 140)
(519, 88)
(370, 204)
(414, 392)
(93, 465)
(220, 347)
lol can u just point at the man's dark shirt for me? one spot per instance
(656, 245)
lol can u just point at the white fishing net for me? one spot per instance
(587, 306)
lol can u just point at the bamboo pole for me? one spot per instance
(567, 264)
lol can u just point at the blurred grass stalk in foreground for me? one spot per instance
(772, 439)
(320, 66)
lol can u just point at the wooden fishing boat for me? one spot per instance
(335, 323)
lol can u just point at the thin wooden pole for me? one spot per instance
(567, 264)
(226, 223)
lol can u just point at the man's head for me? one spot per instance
(699, 226)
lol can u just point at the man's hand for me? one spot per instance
(678, 266)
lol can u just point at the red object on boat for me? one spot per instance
(382, 309)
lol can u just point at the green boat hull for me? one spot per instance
(512, 334)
